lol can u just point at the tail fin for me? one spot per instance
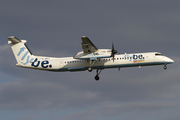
(21, 52)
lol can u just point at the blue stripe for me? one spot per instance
(112, 66)
(93, 57)
(77, 68)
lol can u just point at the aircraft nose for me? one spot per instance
(172, 60)
(169, 61)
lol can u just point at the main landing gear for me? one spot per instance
(91, 63)
(98, 71)
(97, 74)
(89, 69)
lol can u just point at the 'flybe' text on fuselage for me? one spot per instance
(44, 64)
(134, 57)
(35, 63)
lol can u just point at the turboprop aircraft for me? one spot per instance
(90, 58)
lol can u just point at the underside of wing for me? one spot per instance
(87, 45)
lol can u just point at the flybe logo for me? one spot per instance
(25, 56)
(44, 64)
(36, 63)
(134, 57)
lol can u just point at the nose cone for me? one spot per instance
(169, 61)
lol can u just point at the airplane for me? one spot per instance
(90, 58)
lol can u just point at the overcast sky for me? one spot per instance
(54, 28)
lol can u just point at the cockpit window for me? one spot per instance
(158, 54)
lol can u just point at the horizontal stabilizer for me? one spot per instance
(14, 40)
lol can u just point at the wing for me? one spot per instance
(87, 45)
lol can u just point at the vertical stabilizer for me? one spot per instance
(21, 52)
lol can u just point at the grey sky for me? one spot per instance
(54, 28)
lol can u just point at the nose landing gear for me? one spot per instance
(165, 67)
(97, 74)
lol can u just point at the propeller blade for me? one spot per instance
(112, 46)
(113, 52)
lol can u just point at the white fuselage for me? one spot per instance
(121, 60)
(88, 59)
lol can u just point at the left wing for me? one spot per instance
(90, 51)
(87, 45)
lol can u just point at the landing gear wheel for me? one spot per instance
(90, 69)
(97, 74)
(96, 77)
(165, 67)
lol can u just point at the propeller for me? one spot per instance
(113, 52)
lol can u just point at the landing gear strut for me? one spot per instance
(165, 67)
(97, 74)
(91, 63)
